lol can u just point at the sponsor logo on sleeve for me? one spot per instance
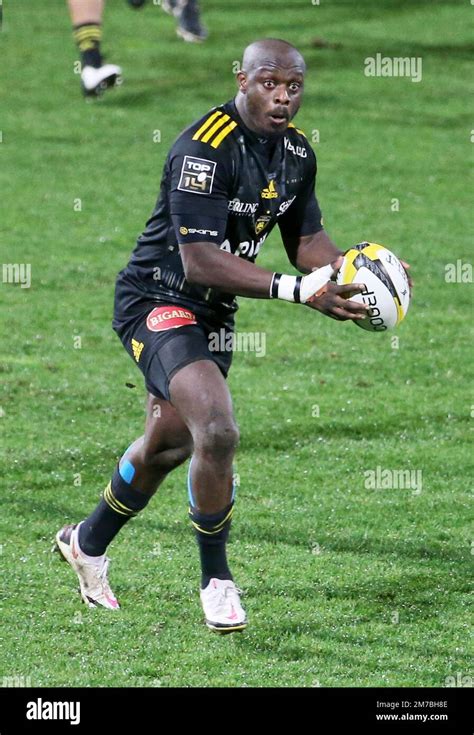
(169, 317)
(195, 231)
(197, 175)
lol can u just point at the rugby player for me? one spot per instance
(228, 180)
(86, 17)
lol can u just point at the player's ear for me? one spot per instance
(242, 81)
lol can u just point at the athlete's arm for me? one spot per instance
(310, 251)
(205, 264)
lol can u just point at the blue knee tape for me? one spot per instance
(127, 471)
(190, 491)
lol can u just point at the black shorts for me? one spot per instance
(163, 338)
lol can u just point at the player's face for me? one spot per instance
(272, 95)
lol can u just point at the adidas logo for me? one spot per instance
(137, 348)
(269, 192)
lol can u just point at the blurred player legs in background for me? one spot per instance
(187, 13)
(86, 16)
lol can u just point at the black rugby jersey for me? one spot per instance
(221, 184)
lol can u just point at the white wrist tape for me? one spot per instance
(300, 289)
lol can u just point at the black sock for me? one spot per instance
(212, 532)
(119, 503)
(88, 37)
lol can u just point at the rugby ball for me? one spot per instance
(386, 285)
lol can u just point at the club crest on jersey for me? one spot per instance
(261, 223)
(169, 317)
(197, 175)
(269, 192)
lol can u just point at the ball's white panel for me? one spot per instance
(398, 276)
(383, 311)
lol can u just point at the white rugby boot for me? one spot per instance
(222, 609)
(96, 81)
(94, 585)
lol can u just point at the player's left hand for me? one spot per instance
(410, 281)
(334, 301)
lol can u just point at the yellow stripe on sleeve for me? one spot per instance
(219, 138)
(206, 124)
(207, 136)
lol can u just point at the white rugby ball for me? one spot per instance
(386, 285)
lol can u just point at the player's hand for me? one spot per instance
(410, 281)
(333, 300)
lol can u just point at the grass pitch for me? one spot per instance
(345, 585)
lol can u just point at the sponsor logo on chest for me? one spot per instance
(245, 208)
(284, 206)
(298, 150)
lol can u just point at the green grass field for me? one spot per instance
(344, 585)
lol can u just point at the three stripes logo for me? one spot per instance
(269, 192)
(137, 348)
(215, 128)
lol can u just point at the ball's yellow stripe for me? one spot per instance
(348, 269)
(372, 250)
(400, 312)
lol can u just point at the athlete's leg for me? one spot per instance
(86, 16)
(165, 445)
(187, 13)
(201, 396)
(86, 11)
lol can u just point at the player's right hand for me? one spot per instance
(333, 300)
